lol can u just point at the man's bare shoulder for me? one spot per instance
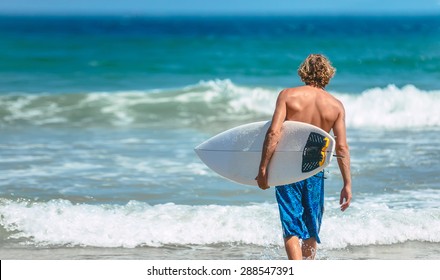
(293, 92)
(298, 89)
(305, 92)
(335, 102)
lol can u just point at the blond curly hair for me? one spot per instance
(316, 70)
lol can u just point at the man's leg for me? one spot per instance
(293, 248)
(308, 248)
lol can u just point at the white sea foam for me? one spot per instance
(392, 107)
(60, 222)
(389, 107)
(215, 101)
(378, 224)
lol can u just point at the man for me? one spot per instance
(301, 204)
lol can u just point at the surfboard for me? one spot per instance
(303, 151)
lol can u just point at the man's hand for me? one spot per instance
(262, 180)
(345, 199)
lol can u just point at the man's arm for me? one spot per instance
(342, 150)
(273, 136)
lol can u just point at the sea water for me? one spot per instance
(99, 117)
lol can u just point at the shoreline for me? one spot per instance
(411, 250)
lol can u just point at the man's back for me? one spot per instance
(312, 105)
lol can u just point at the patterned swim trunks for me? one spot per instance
(301, 207)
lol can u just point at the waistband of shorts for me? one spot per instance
(320, 174)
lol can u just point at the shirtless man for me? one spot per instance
(301, 204)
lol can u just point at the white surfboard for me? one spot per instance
(303, 151)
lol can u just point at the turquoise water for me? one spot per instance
(47, 54)
(99, 117)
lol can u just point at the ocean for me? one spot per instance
(99, 116)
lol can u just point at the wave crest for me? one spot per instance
(392, 107)
(218, 103)
(59, 222)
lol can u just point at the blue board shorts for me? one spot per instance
(301, 207)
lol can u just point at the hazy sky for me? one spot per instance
(164, 7)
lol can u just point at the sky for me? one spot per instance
(208, 7)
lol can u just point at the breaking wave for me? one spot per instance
(61, 223)
(216, 102)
